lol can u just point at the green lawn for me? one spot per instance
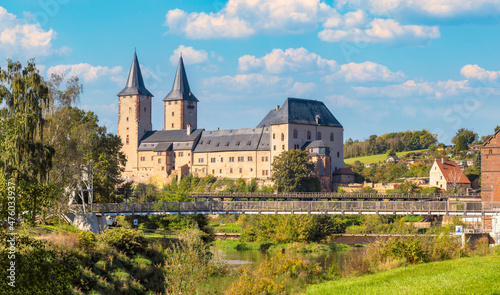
(377, 158)
(476, 275)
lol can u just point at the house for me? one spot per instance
(490, 172)
(343, 176)
(447, 175)
(369, 165)
(394, 159)
(182, 148)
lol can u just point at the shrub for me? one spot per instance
(127, 240)
(87, 240)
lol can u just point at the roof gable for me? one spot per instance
(451, 172)
(304, 111)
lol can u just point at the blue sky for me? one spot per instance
(379, 65)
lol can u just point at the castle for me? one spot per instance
(182, 148)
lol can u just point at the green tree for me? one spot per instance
(469, 135)
(291, 171)
(461, 143)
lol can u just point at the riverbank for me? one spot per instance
(273, 248)
(472, 275)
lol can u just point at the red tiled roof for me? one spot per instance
(344, 171)
(451, 172)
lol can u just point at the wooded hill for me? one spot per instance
(395, 141)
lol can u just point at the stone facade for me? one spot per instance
(490, 169)
(181, 148)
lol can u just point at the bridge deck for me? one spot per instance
(462, 208)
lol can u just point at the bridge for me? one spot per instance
(308, 203)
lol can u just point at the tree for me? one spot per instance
(461, 143)
(469, 136)
(25, 158)
(291, 171)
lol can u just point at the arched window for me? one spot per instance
(318, 136)
(274, 136)
(282, 137)
(295, 133)
(308, 136)
(331, 136)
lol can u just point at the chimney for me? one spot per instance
(442, 160)
(277, 107)
(188, 130)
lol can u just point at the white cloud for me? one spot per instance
(18, 38)
(190, 55)
(410, 88)
(382, 30)
(302, 89)
(88, 72)
(478, 73)
(243, 18)
(363, 72)
(341, 101)
(102, 108)
(432, 8)
(291, 59)
(249, 83)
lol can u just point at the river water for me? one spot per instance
(252, 258)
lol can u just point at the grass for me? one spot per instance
(303, 247)
(476, 275)
(377, 158)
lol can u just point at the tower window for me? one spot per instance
(318, 136)
(282, 136)
(169, 103)
(338, 154)
(172, 125)
(241, 170)
(308, 135)
(130, 110)
(295, 133)
(127, 139)
(331, 136)
(172, 114)
(274, 136)
(127, 119)
(144, 108)
(176, 102)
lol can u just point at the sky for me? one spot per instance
(379, 65)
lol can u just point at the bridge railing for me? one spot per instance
(242, 207)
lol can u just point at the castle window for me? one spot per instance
(283, 147)
(172, 125)
(267, 159)
(274, 147)
(241, 170)
(237, 143)
(181, 154)
(251, 169)
(127, 128)
(241, 159)
(127, 119)
(203, 170)
(130, 110)
(127, 140)
(250, 159)
(231, 170)
(143, 158)
(338, 154)
(176, 102)
(173, 114)
(220, 171)
(169, 103)
(160, 153)
(213, 171)
(249, 143)
(318, 136)
(152, 158)
(209, 142)
(295, 133)
(200, 160)
(227, 143)
(212, 160)
(162, 168)
(263, 159)
(221, 159)
(308, 135)
(217, 144)
(331, 136)
(231, 159)
(274, 136)
(159, 161)
(296, 146)
(144, 108)
(282, 136)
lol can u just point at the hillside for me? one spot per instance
(377, 158)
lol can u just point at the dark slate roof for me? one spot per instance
(304, 111)
(170, 136)
(247, 139)
(267, 119)
(265, 140)
(315, 144)
(180, 89)
(135, 83)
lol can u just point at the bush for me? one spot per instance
(129, 241)
(87, 240)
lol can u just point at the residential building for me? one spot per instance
(447, 175)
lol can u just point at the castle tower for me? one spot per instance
(134, 114)
(180, 104)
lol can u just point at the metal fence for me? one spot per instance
(471, 208)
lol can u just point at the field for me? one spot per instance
(377, 158)
(476, 275)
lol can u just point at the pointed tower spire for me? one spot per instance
(135, 83)
(180, 89)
